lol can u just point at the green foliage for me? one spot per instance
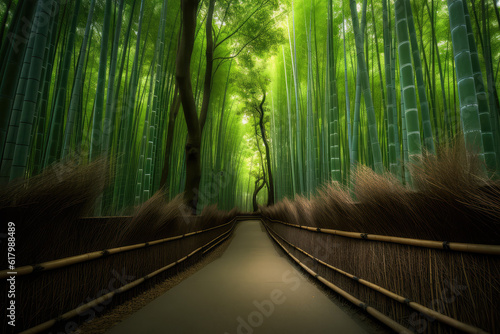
(99, 80)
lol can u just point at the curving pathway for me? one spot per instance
(251, 288)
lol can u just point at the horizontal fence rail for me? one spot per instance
(453, 246)
(67, 261)
(416, 306)
(370, 310)
(79, 310)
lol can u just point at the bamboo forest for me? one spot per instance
(100, 81)
(332, 123)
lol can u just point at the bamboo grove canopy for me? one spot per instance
(286, 95)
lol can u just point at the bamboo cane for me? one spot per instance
(454, 246)
(70, 314)
(416, 306)
(376, 314)
(64, 262)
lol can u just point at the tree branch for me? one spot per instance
(223, 20)
(263, 3)
(261, 32)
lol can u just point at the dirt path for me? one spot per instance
(251, 288)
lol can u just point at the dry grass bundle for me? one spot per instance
(304, 210)
(386, 207)
(457, 180)
(299, 211)
(283, 210)
(452, 174)
(154, 219)
(63, 187)
(211, 216)
(373, 188)
(452, 200)
(333, 206)
(45, 207)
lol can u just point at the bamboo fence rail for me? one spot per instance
(454, 246)
(60, 263)
(416, 306)
(79, 310)
(370, 310)
(460, 247)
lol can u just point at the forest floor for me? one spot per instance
(250, 270)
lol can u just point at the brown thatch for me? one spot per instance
(45, 208)
(452, 200)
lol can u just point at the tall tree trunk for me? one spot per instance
(256, 192)
(183, 78)
(209, 54)
(270, 186)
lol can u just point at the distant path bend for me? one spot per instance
(251, 288)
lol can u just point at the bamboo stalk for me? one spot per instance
(367, 94)
(416, 306)
(454, 246)
(96, 138)
(18, 139)
(372, 311)
(79, 310)
(64, 262)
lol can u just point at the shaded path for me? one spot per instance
(251, 288)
